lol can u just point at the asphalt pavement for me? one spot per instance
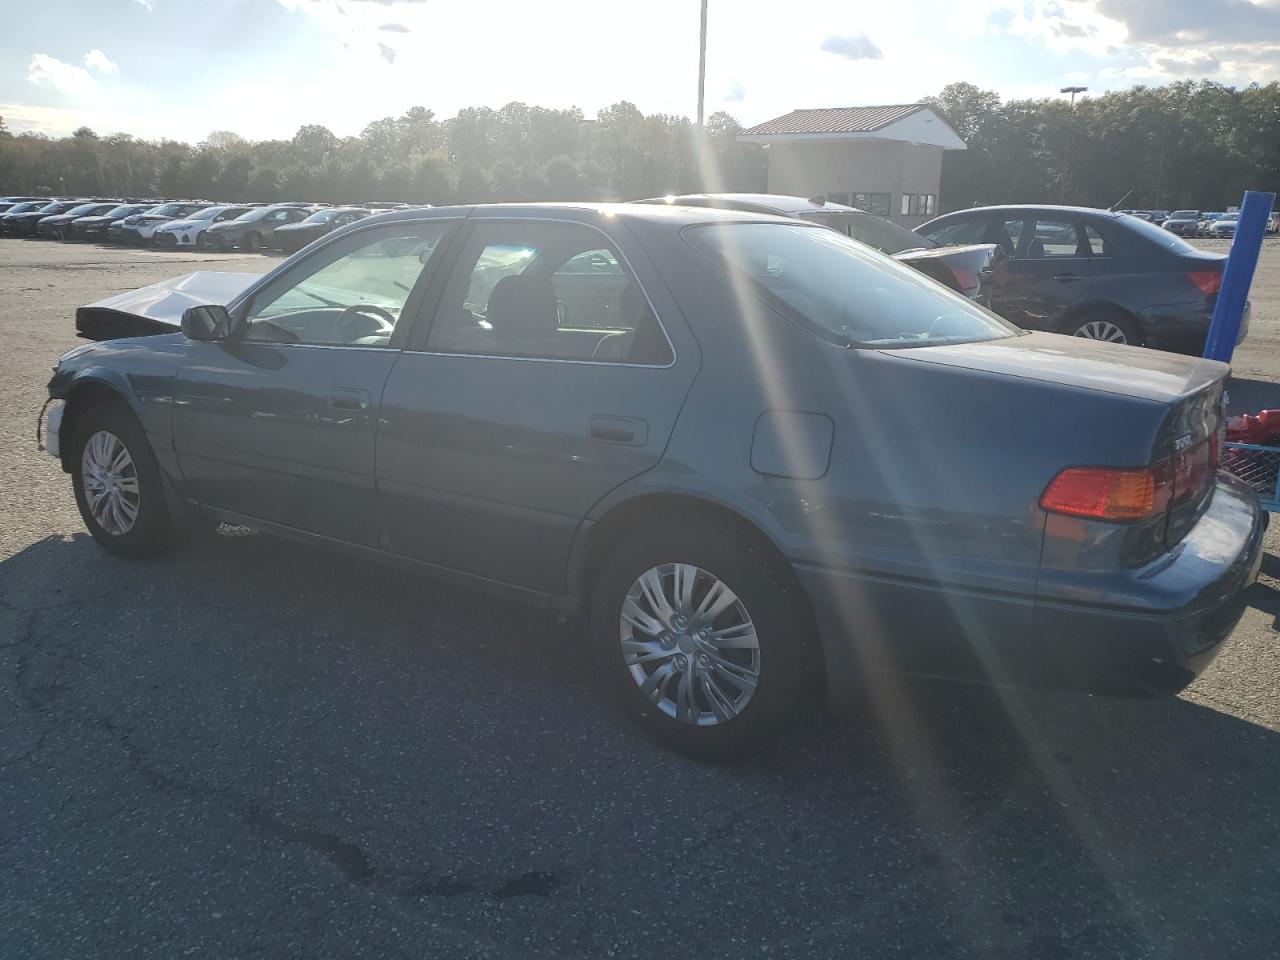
(252, 748)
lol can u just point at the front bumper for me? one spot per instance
(49, 428)
(122, 234)
(1183, 607)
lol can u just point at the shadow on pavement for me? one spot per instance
(454, 747)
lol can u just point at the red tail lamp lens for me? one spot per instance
(1206, 281)
(1103, 493)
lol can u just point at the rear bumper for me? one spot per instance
(1183, 327)
(1188, 603)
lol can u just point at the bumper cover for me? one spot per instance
(1196, 596)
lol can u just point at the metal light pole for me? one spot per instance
(1071, 129)
(702, 63)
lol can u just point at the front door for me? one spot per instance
(545, 381)
(278, 422)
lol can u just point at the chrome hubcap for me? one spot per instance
(1102, 330)
(689, 644)
(110, 483)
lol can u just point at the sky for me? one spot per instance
(262, 68)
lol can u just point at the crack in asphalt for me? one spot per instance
(40, 694)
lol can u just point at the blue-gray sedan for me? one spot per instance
(760, 456)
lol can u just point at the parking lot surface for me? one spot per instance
(255, 748)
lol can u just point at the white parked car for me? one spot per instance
(189, 232)
(1224, 227)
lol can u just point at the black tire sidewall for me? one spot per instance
(153, 530)
(252, 242)
(772, 600)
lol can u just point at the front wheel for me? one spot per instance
(118, 485)
(252, 242)
(703, 638)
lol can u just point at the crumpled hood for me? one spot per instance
(158, 308)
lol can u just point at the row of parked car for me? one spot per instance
(1198, 223)
(178, 223)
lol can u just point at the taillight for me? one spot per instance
(1125, 494)
(1193, 471)
(1206, 281)
(1106, 493)
(965, 279)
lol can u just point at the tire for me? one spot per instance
(151, 529)
(1104, 323)
(744, 721)
(200, 241)
(252, 242)
(55, 235)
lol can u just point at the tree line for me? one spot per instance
(1189, 144)
(1186, 144)
(518, 152)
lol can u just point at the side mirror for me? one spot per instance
(207, 322)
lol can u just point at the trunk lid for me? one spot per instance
(1185, 448)
(1077, 362)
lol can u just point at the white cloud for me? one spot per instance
(855, 46)
(47, 71)
(98, 61)
(144, 3)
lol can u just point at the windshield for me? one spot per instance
(124, 211)
(322, 216)
(1183, 215)
(257, 213)
(208, 213)
(167, 210)
(1159, 235)
(837, 288)
(84, 208)
(869, 229)
(25, 207)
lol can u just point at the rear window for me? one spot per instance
(840, 290)
(1158, 235)
(883, 235)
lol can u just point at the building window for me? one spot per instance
(877, 203)
(906, 205)
(930, 204)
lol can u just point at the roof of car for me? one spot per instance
(578, 211)
(1045, 207)
(755, 203)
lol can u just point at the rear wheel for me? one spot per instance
(703, 639)
(1110, 326)
(117, 483)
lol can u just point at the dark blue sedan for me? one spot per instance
(760, 456)
(1094, 274)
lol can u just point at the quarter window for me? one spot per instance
(352, 294)
(551, 291)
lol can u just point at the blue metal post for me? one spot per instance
(1238, 275)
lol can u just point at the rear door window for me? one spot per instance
(1056, 239)
(546, 291)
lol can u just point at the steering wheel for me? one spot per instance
(372, 321)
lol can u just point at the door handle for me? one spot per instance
(628, 430)
(1068, 277)
(342, 398)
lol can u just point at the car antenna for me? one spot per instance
(820, 201)
(1113, 207)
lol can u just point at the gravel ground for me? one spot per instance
(252, 748)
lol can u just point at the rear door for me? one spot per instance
(544, 380)
(1051, 263)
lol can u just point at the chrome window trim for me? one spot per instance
(500, 356)
(601, 363)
